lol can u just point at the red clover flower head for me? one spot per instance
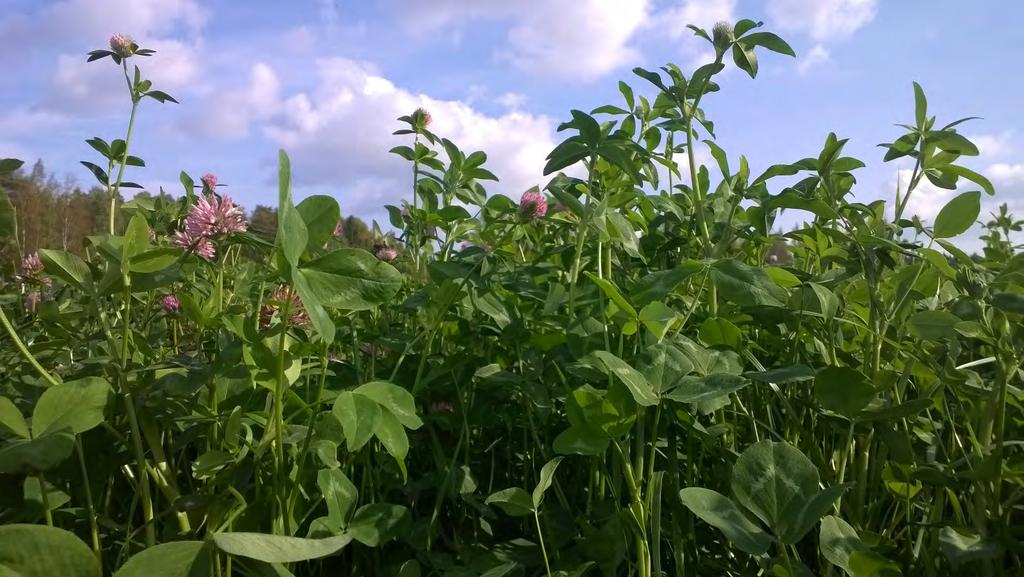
(385, 253)
(533, 205)
(31, 270)
(282, 295)
(209, 182)
(121, 45)
(209, 217)
(201, 246)
(425, 115)
(339, 231)
(170, 304)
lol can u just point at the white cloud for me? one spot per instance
(993, 145)
(584, 39)
(702, 13)
(512, 100)
(822, 20)
(817, 56)
(229, 113)
(339, 134)
(79, 86)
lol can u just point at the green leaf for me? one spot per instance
(808, 512)
(391, 434)
(136, 240)
(67, 267)
(75, 406)
(693, 389)
(313, 306)
(351, 279)
(837, 541)
(843, 390)
(658, 318)
(321, 214)
(638, 386)
(395, 399)
(769, 41)
(746, 285)
(871, 564)
(1009, 302)
(580, 440)
(720, 512)
(934, 325)
(772, 479)
(657, 285)
(11, 419)
(970, 175)
(964, 547)
(154, 260)
(339, 494)
(958, 215)
(920, 106)
(176, 559)
(40, 551)
(378, 523)
(547, 476)
(279, 548)
(39, 454)
(716, 331)
(790, 374)
(292, 234)
(358, 416)
(513, 501)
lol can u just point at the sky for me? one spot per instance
(326, 80)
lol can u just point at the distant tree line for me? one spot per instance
(53, 213)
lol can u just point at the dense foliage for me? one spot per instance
(612, 376)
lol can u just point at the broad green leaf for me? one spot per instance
(769, 41)
(75, 406)
(693, 389)
(871, 564)
(843, 390)
(837, 541)
(32, 491)
(964, 547)
(790, 374)
(663, 365)
(958, 215)
(358, 416)
(351, 279)
(612, 292)
(175, 559)
(339, 494)
(513, 501)
(580, 440)
(154, 260)
(11, 419)
(719, 332)
(279, 548)
(313, 306)
(395, 399)
(720, 512)
(40, 551)
(769, 478)
(136, 240)
(292, 234)
(547, 476)
(378, 523)
(933, 325)
(39, 454)
(1009, 302)
(808, 512)
(638, 386)
(746, 285)
(68, 267)
(657, 285)
(391, 434)
(658, 318)
(321, 215)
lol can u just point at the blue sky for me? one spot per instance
(325, 80)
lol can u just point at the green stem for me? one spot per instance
(540, 537)
(20, 345)
(97, 547)
(127, 143)
(46, 499)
